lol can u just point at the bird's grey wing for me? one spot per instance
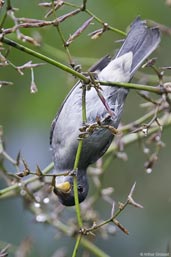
(141, 41)
(103, 62)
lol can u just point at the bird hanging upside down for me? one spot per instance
(140, 42)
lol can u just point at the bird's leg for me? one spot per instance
(102, 124)
(72, 173)
(88, 129)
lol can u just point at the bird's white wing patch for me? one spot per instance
(118, 70)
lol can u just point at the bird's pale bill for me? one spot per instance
(64, 187)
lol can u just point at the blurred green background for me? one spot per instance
(26, 120)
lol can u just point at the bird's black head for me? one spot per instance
(64, 188)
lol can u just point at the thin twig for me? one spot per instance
(44, 58)
(116, 214)
(84, 8)
(131, 138)
(12, 190)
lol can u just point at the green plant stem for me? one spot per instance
(93, 248)
(77, 245)
(84, 115)
(77, 158)
(157, 90)
(118, 31)
(12, 190)
(76, 163)
(9, 158)
(44, 58)
(8, 7)
(84, 242)
(77, 206)
(3, 20)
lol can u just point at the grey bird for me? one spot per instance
(140, 42)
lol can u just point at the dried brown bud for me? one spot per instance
(120, 226)
(18, 159)
(78, 31)
(96, 34)
(33, 88)
(150, 63)
(167, 86)
(152, 160)
(27, 170)
(23, 174)
(65, 16)
(38, 171)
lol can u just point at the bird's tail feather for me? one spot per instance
(141, 41)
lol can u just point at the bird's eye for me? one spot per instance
(80, 189)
